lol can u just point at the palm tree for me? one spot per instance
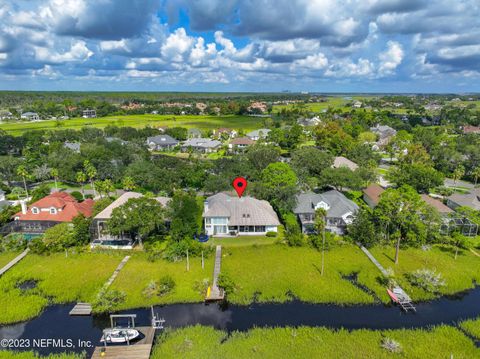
(476, 174)
(81, 179)
(22, 171)
(458, 173)
(91, 172)
(54, 173)
(320, 224)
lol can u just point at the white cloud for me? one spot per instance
(390, 59)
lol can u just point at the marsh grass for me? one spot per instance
(307, 342)
(59, 280)
(472, 327)
(139, 272)
(6, 257)
(459, 274)
(275, 273)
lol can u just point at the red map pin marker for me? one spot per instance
(240, 184)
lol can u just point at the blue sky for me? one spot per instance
(241, 45)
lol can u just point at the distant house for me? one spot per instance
(230, 216)
(58, 207)
(6, 115)
(442, 209)
(161, 142)
(194, 133)
(73, 146)
(471, 129)
(309, 122)
(357, 104)
(240, 143)
(384, 134)
(340, 210)
(30, 116)
(89, 113)
(204, 145)
(341, 161)
(258, 134)
(99, 230)
(116, 139)
(471, 200)
(371, 194)
(228, 131)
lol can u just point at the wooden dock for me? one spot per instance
(115, 273)
(214, 292)
(14, 261)
(137, 350)
(81, 309)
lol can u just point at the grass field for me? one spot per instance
(243, 241)
(77, 277)
(472, 327)
(304, 342)
(275, 273)
(139, 272)
(458, 274)
(6, 257)
(247, 123)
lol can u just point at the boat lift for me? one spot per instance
(399, 296)
(157, 322)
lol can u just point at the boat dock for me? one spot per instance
(14, 261)
(138, 350)
(215, 293)
(81, 309)
(403, 300)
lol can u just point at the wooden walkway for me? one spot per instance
(86, 308)
(374, 261)
(138, 350)
(115, 274)
(14, 261)
(81, 309)
(214, 292)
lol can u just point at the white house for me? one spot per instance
(88, 113)
(258, 134)
(30, 116)
(226, 216)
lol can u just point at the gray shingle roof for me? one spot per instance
(471, 199)
(338, 203)
(162, 140)
(74, 146)
(202, 143)
(263, 132)
(245, 211)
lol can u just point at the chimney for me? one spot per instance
(205, 206)
(23, 204)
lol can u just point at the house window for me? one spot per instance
(35, 210)
(53, 210)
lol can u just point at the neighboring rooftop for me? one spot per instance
(435, 203)
(107, 212)
(242, 141)
(471, 199)
(165, 140)
(337, 205)
(241, 211)
(341, 161)
(261, 133)
(201, 142)
(373, 193)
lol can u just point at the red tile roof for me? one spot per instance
(66, 207)
(471, 129)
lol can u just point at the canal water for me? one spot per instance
(55, 322)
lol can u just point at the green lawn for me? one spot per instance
(459, 274)
(139, 272)
(242, 241)
(246, 123)
(272, 272)
(78, 277)
(305, 342)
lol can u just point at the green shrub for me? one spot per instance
(426, 279)
(166, 285)
(107, 300)
(77, 195)
(271, 234)
(37, 246)
(226, 282)
(13, 243)
(293, 233)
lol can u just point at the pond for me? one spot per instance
(55, 322)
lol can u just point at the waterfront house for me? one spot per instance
(203, 145)
(226, 215)
(89, 113)
(227, 131)
(194, 133)
(384, 134)
(161, 143)
(58, 207)
(340, 210)
(99, 230)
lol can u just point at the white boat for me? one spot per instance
(119, 335)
